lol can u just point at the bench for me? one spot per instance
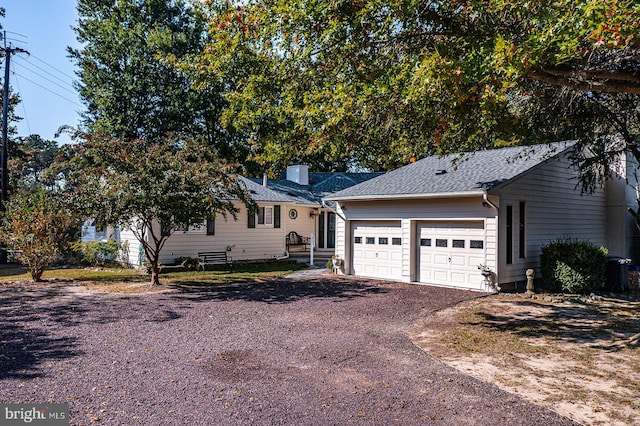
(295, 239)
(213, 258)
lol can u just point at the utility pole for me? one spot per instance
(4, 197)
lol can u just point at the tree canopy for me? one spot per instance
(130, 89)
(148, 187)
(379, 82)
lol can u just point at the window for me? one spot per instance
(396, 241)
(441, 243)
(358, 240)
(383, 240)
(521, 232)
(509, 236)
(211, 226)
(425, 242)
(476, 244)
(370, 240)
(457, 243)
(265, 216)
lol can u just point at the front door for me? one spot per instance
(331, 230)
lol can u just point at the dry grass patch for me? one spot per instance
(122, 280)
(579, 359)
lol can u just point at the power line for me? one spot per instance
(53, 68)
(50, 91)
(24, 110)
(65, 81)
(49, 80)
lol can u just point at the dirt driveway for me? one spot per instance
(305, 351)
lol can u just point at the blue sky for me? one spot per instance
(43, 27)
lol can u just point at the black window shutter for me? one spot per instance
(276, 216)
(252, 220)
(211, 226)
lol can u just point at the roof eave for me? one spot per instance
(460, 194)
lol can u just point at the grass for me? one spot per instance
(121, 280)
(565, 348)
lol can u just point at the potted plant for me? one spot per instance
(484, 270)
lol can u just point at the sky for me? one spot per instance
(44, 79)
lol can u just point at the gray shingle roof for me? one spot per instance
(454, 174)
(260, 193)
(320, 185)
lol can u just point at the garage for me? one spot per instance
(449, 253)
(377, 249)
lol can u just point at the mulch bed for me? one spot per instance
(314, 350)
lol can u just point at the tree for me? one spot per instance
(29, 158)
(379, 82)
(37, 225)
(127, 83)
(149, 188)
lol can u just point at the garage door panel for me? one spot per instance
(449, 253)
(440, 275)
(382, 257)
(441, 259)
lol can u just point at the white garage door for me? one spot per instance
(377, 249)
(450, 252)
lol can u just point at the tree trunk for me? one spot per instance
(155, 273)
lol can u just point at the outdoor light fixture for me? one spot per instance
(312, 214)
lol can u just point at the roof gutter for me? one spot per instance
(409, 196)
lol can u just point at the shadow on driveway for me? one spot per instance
(282, 291)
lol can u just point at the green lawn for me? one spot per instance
(131, 281)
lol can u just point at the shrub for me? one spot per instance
(572, 266)
(37, 226)
(188, 263)
(97, 253)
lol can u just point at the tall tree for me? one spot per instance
(149, 187)
(130, 90)
(29, 158)
(382, 81)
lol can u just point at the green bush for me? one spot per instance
(97, 253)
(572, 266)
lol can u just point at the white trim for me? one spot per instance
(408, 196)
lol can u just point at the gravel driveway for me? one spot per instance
(314, 350)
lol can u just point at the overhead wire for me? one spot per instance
(24, 110)
(21, 65)
(48, 90)
(23, 61)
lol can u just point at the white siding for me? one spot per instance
(130, 251)
(343, 234)
(261, 242)
(554, 208)
(303, 224)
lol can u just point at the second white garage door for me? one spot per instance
(377, 249)
(449, 253)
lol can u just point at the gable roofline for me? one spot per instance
(442, 176)
(570, 146)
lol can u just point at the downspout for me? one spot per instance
(487, 202)
(285, 256)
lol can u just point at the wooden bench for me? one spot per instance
(214, 258)
(295, 239)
